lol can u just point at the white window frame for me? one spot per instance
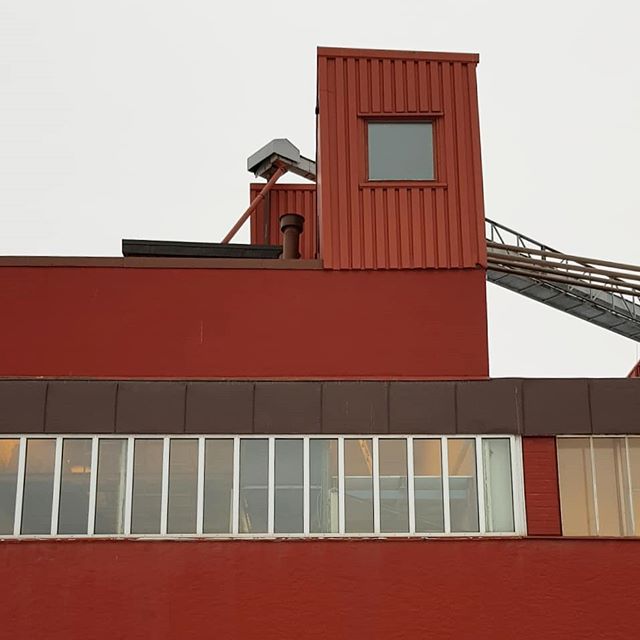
(516, 478)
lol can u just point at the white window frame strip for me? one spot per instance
(341, 487)
(411, 485)
(480, 482)
(375, 464)
(57, 473)
(164, 503)
(93, 483)
(444, 471)
(271, 489)
(235, 523)
(632, 515)
(516, 478)
(200, 488)
(22, 458)
(128, 496)
(306, 486)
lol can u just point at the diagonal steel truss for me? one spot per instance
(601, 292)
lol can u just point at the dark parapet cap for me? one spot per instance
(513, 406)
(174, 249)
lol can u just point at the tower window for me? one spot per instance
(400, 151)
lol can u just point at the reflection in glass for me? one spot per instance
(183, 486)
(147, 486)
(394, 501)
(323, 490)
(288, 480)
(610, 461)
(463, 493)
(577, 502)
(110, 486)
(254, 478)
(400, 151)
(358, 471)
(427, 469)
(498, 494)
(8, 483)
(38, 486)
(218, 485)
(75, 479)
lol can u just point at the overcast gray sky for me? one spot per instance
(135, 118)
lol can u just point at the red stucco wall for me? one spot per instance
(525, 589)
(235, 323)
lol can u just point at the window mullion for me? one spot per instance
(341, 487)
(200, 489)
(594, 486)
(57, 474)
(482, 524)
(305, 485)
(164, 504)
(128, 495)
(375, 463)
(271, 486)
(93, 483)
(235, 506)
(444, 449)
(22, 458)
(411, 486)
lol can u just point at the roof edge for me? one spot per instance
(443, 56)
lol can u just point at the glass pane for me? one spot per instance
(38, 486)
(358, 485)
(254, 479)
(427, 469)
(463, 494)
(610, 460)
(394, 501)
(288, 478)
(576, 487)
(9, 450)
(183, 486)
(74, 486)
(111, 486)
(323, 492)
(147, 486)
(634, 464)
(400, 151)
(498, 492)
(218, 485)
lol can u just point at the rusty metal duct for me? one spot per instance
(280, 153)
(291, 225)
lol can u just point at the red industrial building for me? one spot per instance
(300, 437)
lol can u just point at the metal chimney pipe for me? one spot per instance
(291, 225)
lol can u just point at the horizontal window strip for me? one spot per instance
(260, 486)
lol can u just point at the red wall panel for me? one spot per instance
(379, 590)
(234, 323)
(635, 372)
(391, 225)
(285, 198)
(541, 486)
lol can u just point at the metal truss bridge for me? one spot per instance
(604, 293)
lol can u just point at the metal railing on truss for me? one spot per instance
(607, 290)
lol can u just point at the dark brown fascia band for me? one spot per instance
(532, 407)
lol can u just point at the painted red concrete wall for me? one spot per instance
(551, 589)
(228, 323)
(541, 486)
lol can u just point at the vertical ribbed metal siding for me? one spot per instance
(286, 198)
(367, 225)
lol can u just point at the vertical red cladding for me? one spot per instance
(285, 198)
(541, 490)
(635, 372)
(389, 225)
